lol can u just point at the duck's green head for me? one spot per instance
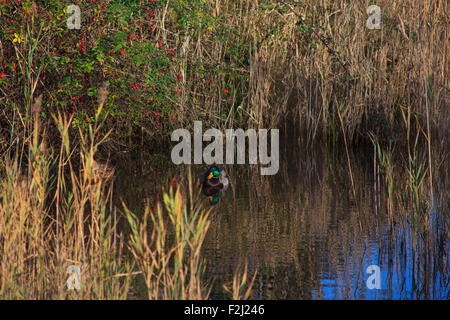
(213, 172)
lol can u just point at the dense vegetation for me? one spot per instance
(136, 70)
(230, 63)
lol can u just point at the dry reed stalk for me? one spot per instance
(171, 269)
(40, 238)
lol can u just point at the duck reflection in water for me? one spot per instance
(215, 183)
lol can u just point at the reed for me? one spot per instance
(289, 64)
(55, 218)
(241, 286)
(385, 161)
(309, 65)
(166, 243)
(417, 166)
(52, 218)
(301, 61)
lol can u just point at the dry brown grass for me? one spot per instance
(54, 216)
(49, 222)
(293, 78)
(166, 244)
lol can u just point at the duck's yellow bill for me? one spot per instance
(210, 175)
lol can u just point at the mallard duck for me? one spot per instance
(214, 184)
(214, 178)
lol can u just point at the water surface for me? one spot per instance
(303, 231)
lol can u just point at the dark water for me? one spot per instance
(303, 231)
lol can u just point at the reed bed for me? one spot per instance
(311, 65)
(54, 220)
(60, 236)
(308, 62)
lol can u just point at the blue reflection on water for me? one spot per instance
(413, 266)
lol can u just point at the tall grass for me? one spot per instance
(166, 243)
(308, 65)
(385, 161)
(283, 73)
(53, 217)
(289, 64)
(56, 217)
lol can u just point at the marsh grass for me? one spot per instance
(55, 215)
(289, 64)
(415, 160)
(391, 83)
(241, 286)
(166, 243)
(300, 61)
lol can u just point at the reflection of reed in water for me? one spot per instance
(309, 238)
